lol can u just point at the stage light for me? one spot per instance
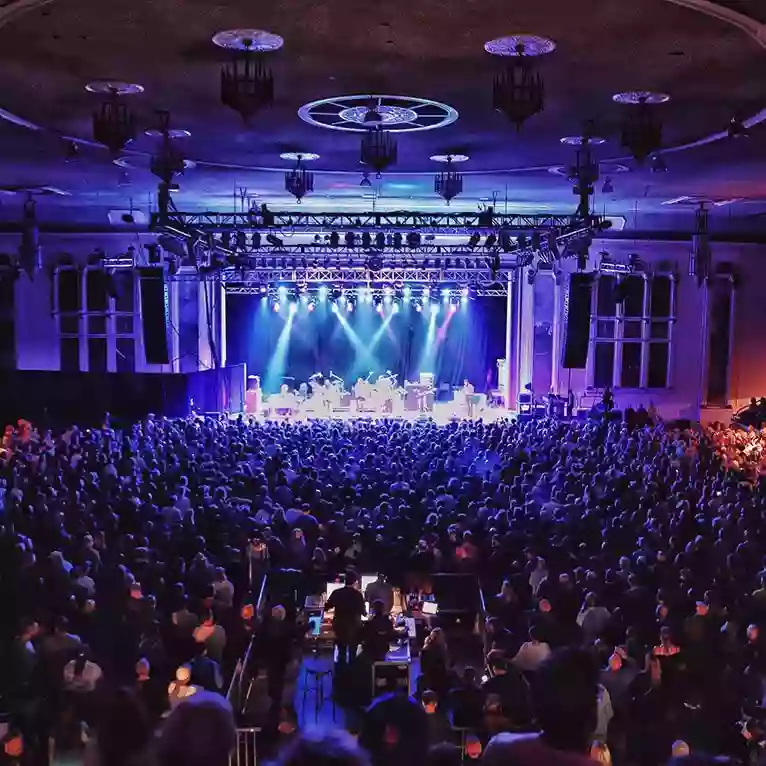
(334, 308)
(276, 305)
(304, 298)
(426, 292)
(282, 290)
(387, 298)
(311, 306)
(388, 291)
(464, 292)
(322, 293)
(418, 308)
(378, 307)
(445, 293)
(293, 307)
(452, 308)
(407, 291)
(350, 306)
(342, 297)
(395, 308)
(263, 289)
(434, 308)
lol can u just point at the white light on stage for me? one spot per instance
(387, 298)
(263, 289)
(342, 298)
(322, 293)
(282, 290)
(311, 306)
(334, 308)
(426, 292)
(434, 308)
(379, 307)
(395, 308)
(304, 298)
(464, 293)
(293, 308)
(276, 305)
(350, 306)
(418, 308)
(445, 294)
(452, 308)
(406, 292)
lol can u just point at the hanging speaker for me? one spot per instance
(155, 314)
(577, 319)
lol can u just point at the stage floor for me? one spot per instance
(442, 414)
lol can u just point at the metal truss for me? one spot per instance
(360, 275)
(478, 292)
(477, 222)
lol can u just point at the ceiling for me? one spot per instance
(431, 49)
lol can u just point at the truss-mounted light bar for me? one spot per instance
(480, 222)
(477, 292)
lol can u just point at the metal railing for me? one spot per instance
(245, 751)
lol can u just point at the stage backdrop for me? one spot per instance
(289, 345)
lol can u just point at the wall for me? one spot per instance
(687, 365)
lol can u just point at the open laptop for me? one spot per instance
(430, 607)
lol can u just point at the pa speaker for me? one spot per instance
(154, 315)
(575, 353)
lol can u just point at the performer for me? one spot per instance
(253, 397)
(468, 392)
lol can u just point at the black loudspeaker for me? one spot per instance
(575, 353)
(154, 315)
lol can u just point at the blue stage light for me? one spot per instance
(282, 290)
(276, 305)
(426, 292)
(293, 307)
(311, 306)
(322, 293)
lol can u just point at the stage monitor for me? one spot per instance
(430, 607)
(366, 581)
(332, 587)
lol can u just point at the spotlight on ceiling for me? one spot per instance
(607, 188)
(658, 164)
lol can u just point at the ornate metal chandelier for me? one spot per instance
(519, 92)
(642, 129)
(113, 123)
(246, 84)
(299, 181)
(448, 183)
(169, 161)
(378, 149)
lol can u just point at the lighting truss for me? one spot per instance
(358, 275)
(479, 222)
(375, 292)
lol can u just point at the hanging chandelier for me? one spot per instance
(519, 92)
(168, 161)
(378, 149)
(448, 183)
(113, 123)
(299, 181)
(246, 84)
(641, 130)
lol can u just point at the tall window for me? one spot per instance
(631, 330)
(95, 310)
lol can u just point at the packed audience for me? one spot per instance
(624, 571)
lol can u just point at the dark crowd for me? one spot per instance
(623, 572)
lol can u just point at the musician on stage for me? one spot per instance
(468, 391)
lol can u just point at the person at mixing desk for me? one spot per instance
(378, 633)
(347, 604)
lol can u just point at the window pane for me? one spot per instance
(96, 292)
(70, 354)
(124, 325)
(605, 328)
(97, 355)
(97, 325)
(69, 290)
(126, 355)
(660, 304)
(123, 285)
(633, 290)
(605, 299)
(631, 365)
(660, 330)
(70, 325)
(631, 330)
(603, 371)
(657, 374)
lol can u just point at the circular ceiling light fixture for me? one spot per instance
(449, 158)
(640, 97)
(172, 133)
(580, 140)
(253, 40)
(397, 114)
(299, 156)
(531, 45)
(139, 162)
(107, 87)
(607, 168)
